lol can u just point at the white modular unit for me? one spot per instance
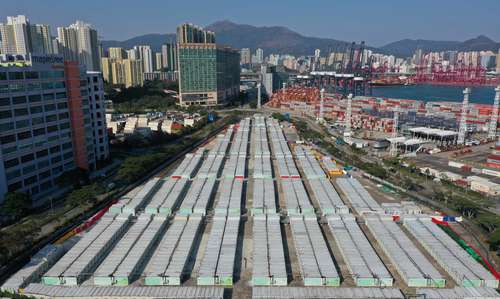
(142, 197)
(296, 198)
(168, 195)
(264, 197)
(198, 197)
(168, 263)
(325, 293)
(218, 260)
(316, 264)
(268, 255)
(189, 165)
(363, 262)
(362, 202)
(415, 269)
(230, 195)
(456, 261)
(327, 197)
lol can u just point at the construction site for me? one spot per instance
(254, 214)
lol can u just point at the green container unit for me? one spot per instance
(205, 281)
(103, 281)
(261, 281)
(116, 209)
(332, 281)
(386, 282)
(472, 282)
(51, 281)
(185, 211)
(153, 280)
(171, 281)
(313, 281)
(128, 210)
(224, 281)
(165, 211)
(279, 281)
(436, 283)
(366, 282)
(256, 211)
(70, 280)
(491, 283)
(418, 282)
(151, 210)
(121, 281)
(307, 211)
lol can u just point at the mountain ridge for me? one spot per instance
(282, 40)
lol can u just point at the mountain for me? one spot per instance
(277, 39)
(406, 47)
(155, 40)
(274, 39)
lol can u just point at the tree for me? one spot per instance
(75, 178)
(16, 204)
(83, 195)
(489, 221)
(467, 207)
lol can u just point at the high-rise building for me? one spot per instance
(41, 40)
(117, 53)
(259, 55)
(145, 54)
(127, 72)
(245, 56)
(169, 53)
(498, 62)
(317, 53)
(158, 61)
(46, 126)
(15, 35)
(208, 75)
(132, 54)
(79, 42)
(192, 34)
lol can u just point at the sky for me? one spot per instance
(377, 22)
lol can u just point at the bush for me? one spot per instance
(16, 204)
(133, 168)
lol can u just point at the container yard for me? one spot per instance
(252, 214)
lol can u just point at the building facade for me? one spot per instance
(46, 125)
(208, 74)
(128, 72)
(97, 108)
(20, 37)
(169, 54)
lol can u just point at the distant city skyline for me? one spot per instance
(378, 23)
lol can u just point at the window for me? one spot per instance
(42, 153)
(16, 75)
(38, 132)
(19, 100)
(13, 174)
(68, 155)
(60, 95)
(56, 159)
(5, 114)
(16, 87)
(51, 129)
(47, 85)
(58, 74)
(55, 149)
(46, 185)
(59, 84)
(43, 164)
(62, 105)
(64, 126)
(31, 75)
(50, 107)
(8, 139)
(4, 102)
(27, 158)
(4, 88)
(20, 112)
(66, 145)
(3, 76)
(50, 118)
(15, 186)
(11, 163)
(33, 86)
(29, 169)
(24, 135)
(48, 96)
(6, 127)
(37, 120)
(30, 180)
(35, 98)
(64, 115)
(36, 109)
(44, 174)
(95, 79)
(22, 123)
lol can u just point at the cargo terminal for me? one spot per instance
(252, 214)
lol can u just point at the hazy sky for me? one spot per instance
(376, 21)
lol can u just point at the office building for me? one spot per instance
(79, 42)
(245, 56)
(158, 61)
(117, 53)
(162, 76)
(41, 40)
(46, 124)
(132, 54)
(273, 78)
(208, 74)
(145, 54)
(169, 53)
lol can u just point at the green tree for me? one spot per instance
(16, 204)
(75, 178)
(489, 221)
(86, 194)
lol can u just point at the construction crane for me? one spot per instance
(463, 118)
(394, 144)
(492, 130)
